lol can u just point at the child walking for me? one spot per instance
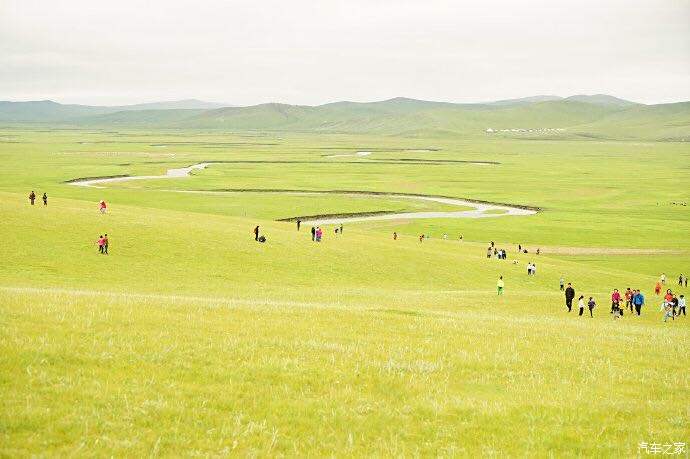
(581, 304)
(591, 304)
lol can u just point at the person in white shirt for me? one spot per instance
(681, 305)
(581, 304)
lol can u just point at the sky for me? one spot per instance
(312, 52)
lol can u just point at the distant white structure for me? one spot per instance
(489, 130)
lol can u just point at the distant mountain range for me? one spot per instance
(579, 116)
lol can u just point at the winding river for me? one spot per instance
(479, 209)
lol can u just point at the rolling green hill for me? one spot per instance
(580, 116)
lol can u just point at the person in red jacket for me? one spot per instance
(615, 302)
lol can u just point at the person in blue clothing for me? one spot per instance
(638, 301)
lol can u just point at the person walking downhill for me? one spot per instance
(500, 285)
(32, 197)
(628, 299)
(681, 305)
(638, 301)
(569, 295)
(45, 199)
(561, 283)
(615, 303)
(581, 305)
(319, 234)
(256, 233)
(313, 234)
(680, 280)
(591, 304)
(685, 280)
(657, 288)
(395, 236)
(299, 223)
(100, 243)
(667, 310)
(663, 278)
(102, 206)
(105, 244)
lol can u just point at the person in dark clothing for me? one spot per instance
(591, 304)
(569, 295)
(256, 233)
(32, 197)
(45, 199)
(674, 306)
(341, 228)
(299, 223)
(313, 233)
(680, 280)
(105, 244)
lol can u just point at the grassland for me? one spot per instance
(191, 339)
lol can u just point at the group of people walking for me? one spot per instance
(531, 269)
(672, 306)
(32, 198)
(634, 300)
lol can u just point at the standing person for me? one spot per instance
(680, 280)
(32, 197)
(519, 248)
(492, 244)
(395, 236)
(105, 244)
(256, 233)
(313, 234)
(100, 243)
(615, 302)
(529, 268)
(299, 223)
(657, 288)
(569, 295)
(534, 269)
(685, 280)
(681, 305)
(488, 252)
(561, 283)
(663, 278)
(45, 199)
(102, 206)
(319, 234)
(628, 299)
(499, 285)
(638, 300)
(341, 228)
(591, 304)
(580, 305)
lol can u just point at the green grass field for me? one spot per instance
(190, 339)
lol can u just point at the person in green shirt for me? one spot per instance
(500, 285)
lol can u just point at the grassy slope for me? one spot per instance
(358, 345)
(192, 339)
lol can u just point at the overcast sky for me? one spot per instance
(312, 52)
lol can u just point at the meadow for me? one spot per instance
(192, 339)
